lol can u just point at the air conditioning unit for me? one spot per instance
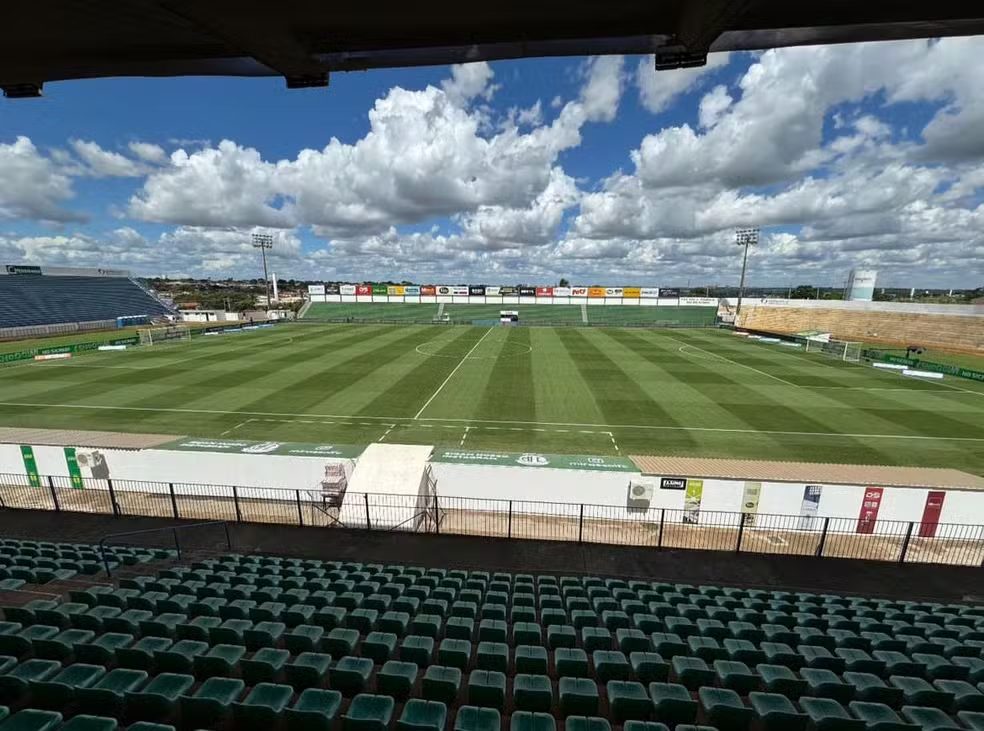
(640, 496)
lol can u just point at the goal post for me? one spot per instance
(158, 335)
(839, 349)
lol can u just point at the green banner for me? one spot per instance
(926, 365)
(280, 449)
(70, 348)
(74, 472)
(691, 501)
(378, 289)
(30, 465)
(528, 459)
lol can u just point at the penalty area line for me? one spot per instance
(451, 374)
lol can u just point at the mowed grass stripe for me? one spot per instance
(512, 384)
(617, 394)
(561, 392)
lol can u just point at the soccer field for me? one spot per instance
(575, 390)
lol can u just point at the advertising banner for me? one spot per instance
(476, 291)
(931, 513)
(672, 483)
(242, 446)
(30, 465)
(428, 290)
(493, 291)
(632, 293)
(394, 290)
(363, 289)
(579, 291)
(750, 501)
(22, 269)
(316, 289)
(649, 293)
(561, 291)
(691, 501)
(59, 349)
(347, 289)
(528, 459)
(527, 291)
(412, 291)
(669, 293)
(508, 291)
(925, 365)
(868, 515)
(332, 289)
(379, 289)
(444, 289)
(460, 290)
(698, 302)
(809, 507)
(613, 291)
(596, 292)
(74, 473)
(544, 291)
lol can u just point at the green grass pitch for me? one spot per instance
(566, 389)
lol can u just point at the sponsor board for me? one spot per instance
(613, 291)
(332, 289)
(476, 291)
(561, 291)
(53, 356)
(316, 289)
(544, 291)
(596, 292)
(632, 293)
(579, 291)
(428, 290)
(691, 501)
(750, 501)
(508, 291)
(670, 293)
(460, 290)
(111, 347)
(493, 291)
(698, 302)
(394, 290)
(74, 473)
(527, 291)
(347, 289)
(649, 293)
(30, 465)
(411, 291)
(809, 507)
(532, 459)
(380, 290)
(868, 513)
(363, 289)
(58, 349)
(20, 269)
(672, 483)
(444, 289)
(925, 365)
(242, 446)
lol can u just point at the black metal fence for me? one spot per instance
(657, 528)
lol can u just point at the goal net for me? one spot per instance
(158, 335)
(839, 349)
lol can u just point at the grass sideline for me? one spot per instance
(962, 360)
(91, 336)
(568, 390)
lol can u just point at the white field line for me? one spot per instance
(451, 374)
(440, 422)
(614, 443)
(733, 362)
(386, 433)
(464, 437)
(237, 426)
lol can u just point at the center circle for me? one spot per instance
(509, 350)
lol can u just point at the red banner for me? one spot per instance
(428, 290)
(363, 289)
(868, 515)
(544, 291)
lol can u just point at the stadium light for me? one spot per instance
(744, 237)
(264, 242)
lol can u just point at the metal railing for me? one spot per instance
(174, 530)
(584, 523)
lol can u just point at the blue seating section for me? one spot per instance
(27, 300)
(265, 642)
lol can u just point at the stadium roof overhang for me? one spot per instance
(304, 41)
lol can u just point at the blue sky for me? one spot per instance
(594, 169)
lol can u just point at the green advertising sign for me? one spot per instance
(530, 459)
(74, 472)
(380, 289)
(30, 465)
(280, 449)
(71, 348)
(926, 365)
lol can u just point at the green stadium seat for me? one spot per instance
(781, 679)
(304, 638)
(632, 640)
(21, 643)
(308, 670)
(572, 662)
(454, 653)
(423, 715)
(427, 625)
(487, 688)
(397, 679)
(198, 628)
(578, 696)
(141, 654)
(898, 664)
(32, 719)
(107, 696)
(340, 641)
(859, 661)
(472, 718)
(314, 710)
(527, 633)
(211, 702)
(940, 668)
(692, 672)
(724, 710)
(829, 715)
(918, 692)
(649, 667)
(394, 622)
(492, 656)
(815, 656)
(628, 700)
(441, 683)
(974, 665)
(180, 657)
(561, 635)
(459, 628)
(368, 713)
(264, 665)
(59, 691)
(532, 659)
(350, 675)
(527, 721)
(972, 720)
(329, 617)
(611, 666)
(668, 644)
(965, 696)
(14, 683)
(587, 723)
(263, 707)
(736, 675)
(219, 661)
(492, 630)
(162, 625)
(824, 683)
(879, 717)
(159, 698)
(270, 611)
(776, 712)
(743, 651)
(868, 687)
(532, 692)
(929, 719)
(62, 645)
(90, 723)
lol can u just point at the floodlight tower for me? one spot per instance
(264, 242)
(744, 237)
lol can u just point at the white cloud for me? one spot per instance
(102, 163)
(149, 152)
(32, 186)
(713, 105)
(603, 88)
(659, 89)
(469, 81)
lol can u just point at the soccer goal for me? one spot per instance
(158, 335)
(839, 349)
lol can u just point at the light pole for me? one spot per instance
(264, 242)
(744, 237)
